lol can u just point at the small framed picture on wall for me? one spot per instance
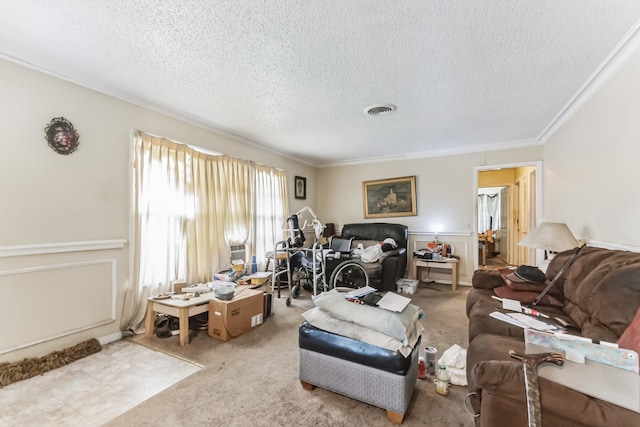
(301, 188)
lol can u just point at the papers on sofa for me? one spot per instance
(524, 321)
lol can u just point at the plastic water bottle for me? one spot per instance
(254, 265)
(442, 380)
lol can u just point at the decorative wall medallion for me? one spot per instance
(61, 136)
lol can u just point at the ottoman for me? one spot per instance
(362, 371)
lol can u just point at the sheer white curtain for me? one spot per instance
(189, 207)
(271, 211)
(488, 212)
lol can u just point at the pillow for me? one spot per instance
(528, 286)
(322, 320)
(630, 338)
(396, 325)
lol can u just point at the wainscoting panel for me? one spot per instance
(44, 302)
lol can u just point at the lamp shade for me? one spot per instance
(550, 236)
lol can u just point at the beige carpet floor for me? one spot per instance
(252, 380)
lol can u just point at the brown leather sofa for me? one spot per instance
(383, 275)
(600, 295)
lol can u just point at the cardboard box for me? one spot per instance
(229, 319)
(177, 286)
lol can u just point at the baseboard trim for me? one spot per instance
(107, 339)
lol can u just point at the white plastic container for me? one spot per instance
(407, 286)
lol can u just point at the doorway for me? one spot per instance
(513, 196)
(493, 227)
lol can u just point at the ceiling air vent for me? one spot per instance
(378, 110)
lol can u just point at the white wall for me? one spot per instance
(591, 165)
(446, 199)
(57, 299)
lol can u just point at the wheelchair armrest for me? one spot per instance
(343, 254)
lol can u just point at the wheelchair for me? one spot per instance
(317, 268)
(322, 269)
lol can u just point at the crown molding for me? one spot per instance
(441, 152)
(619, 56)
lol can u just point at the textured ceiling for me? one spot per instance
(296, 76)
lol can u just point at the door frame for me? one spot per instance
(537, 197)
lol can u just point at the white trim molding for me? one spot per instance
(621, 53)
(54, 248)
(440, 233)
(613, 246)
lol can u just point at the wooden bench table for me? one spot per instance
(180, 308)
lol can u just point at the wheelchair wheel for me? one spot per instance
(349, 275)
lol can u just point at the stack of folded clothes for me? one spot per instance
(525, 284)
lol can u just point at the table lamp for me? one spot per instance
(554, 237)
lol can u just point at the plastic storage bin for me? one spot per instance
(407, 286)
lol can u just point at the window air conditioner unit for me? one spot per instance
(238, 252)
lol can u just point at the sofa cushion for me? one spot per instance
(480, 305)
(615, 301)
(602, 291)
(480, 322)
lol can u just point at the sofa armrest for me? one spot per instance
(393, 268)
(486, 279)
(392, 253)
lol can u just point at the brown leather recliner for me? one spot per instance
(382, 275)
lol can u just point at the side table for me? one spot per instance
(450, 264)
(182, 309)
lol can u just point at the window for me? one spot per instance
(189, 207)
